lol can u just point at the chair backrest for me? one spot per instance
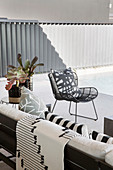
(63, 82)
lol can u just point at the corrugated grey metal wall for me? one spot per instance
(82, 45)
(27, 38)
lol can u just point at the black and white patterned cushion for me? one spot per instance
(102, 137)
(79, 128)
(66, 83)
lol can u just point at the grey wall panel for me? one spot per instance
(32, 37)
(23, 42)
(28, 44)
(57, 61)
(45, 52)
(53, 58)
(9, 49)
(61, 66)
(18, 37)
(3, 48)
(37, 42)
(13, 44)
(41, 48)
(49, 55)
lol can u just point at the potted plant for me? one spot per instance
(29, 68)
(15, 76)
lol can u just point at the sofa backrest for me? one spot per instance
(11, 112)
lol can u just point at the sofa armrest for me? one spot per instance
(8, 142)
(7, 121)
(75, 158)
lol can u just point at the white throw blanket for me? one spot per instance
(40, 144)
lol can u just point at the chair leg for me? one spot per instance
(70, 108)
(54, 106)
(75, 111)
(95, 110)
(81, 115)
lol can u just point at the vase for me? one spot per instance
(14, 94)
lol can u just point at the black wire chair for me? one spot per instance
(65, 87)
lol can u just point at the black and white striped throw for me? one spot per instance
(40, 144)
(102, 137)
(79, 128)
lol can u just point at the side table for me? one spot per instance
(5, 100)
(108, 125)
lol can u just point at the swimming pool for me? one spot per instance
(102, 81)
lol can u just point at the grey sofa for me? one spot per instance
(74, 158)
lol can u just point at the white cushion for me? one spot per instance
(109, 158)
(11, 112)
(91, 147)
(31, 104)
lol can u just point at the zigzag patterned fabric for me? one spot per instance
(79, 128)
(102, 137)
(41, 144)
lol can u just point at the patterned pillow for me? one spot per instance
(79, 128)
(31, 104)
(66, 83)
(102, 137)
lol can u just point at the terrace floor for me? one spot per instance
(101, 79)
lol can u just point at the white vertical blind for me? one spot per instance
(82, 45)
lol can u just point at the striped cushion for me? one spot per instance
(102, 137)
(79, 128)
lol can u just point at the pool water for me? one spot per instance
(102, 81)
